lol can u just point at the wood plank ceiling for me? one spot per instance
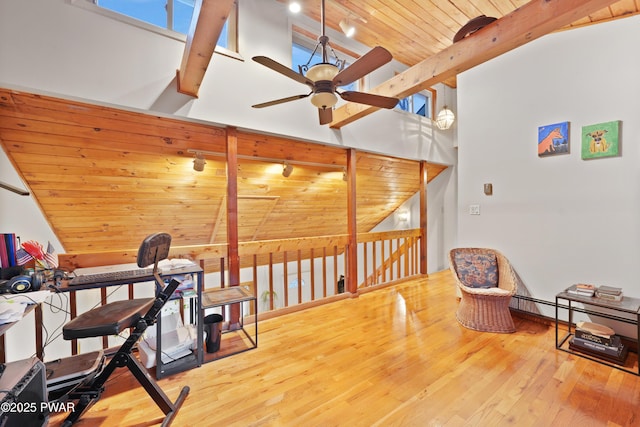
(420, 35)
(524, 24)
(413, 30)
(105, 178)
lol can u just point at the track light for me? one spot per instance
(347, 28)
(286, 170)
(287, 165)
(198, 162)
(294, 7)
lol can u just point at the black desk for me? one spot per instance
(179, 365)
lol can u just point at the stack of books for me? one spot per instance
(599, 341)
(609, 293)
(583, 289)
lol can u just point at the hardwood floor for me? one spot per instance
(391, 357)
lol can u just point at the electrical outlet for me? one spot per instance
(474, 209)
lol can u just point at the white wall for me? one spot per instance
(561, 219)
(56, 47)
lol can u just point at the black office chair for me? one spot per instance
(111, 319)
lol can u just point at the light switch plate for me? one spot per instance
(474, 209)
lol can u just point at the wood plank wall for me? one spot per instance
(105, 177)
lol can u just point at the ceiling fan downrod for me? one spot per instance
(323, 39)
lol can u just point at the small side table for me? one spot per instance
(239, 339)
(589, 305)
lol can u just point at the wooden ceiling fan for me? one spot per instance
(324, 78)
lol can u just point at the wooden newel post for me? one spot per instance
(423, 217)
(232, 220)
(351, 284)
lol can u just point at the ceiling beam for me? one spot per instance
(208, 20)
(527, 23)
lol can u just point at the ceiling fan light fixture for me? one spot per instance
(322, 74)
(445, 118)
(322, 71)
(347, 28)
(324, 99)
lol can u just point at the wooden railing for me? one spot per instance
(286, 275)
(290, 272)
(395, 255)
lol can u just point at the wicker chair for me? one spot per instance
(486, 282)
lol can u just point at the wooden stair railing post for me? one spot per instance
(324, 271)
(255, 275)
(374, 263)
(313, 274)
(382, 276)
(285, 267)
(365, 262)
(335, 269)
(232, 221)
(271, 281)
(400, 251)
(390, 261)
(423, 217)
(351, 256)
(299, 265)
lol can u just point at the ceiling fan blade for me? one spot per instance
(326, 115)
(280, 101)
(286, 71)
(372, 60)
(369, 99)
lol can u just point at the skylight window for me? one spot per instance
(172, 15)
(153, 12)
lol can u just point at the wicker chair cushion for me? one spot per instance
(477, 270)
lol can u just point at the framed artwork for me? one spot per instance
(553, 139)
(601, 140)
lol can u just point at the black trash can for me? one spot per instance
(213, 332)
